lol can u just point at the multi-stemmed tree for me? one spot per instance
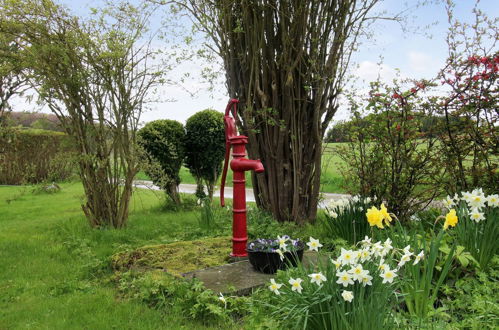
(94, 75)
(286, 63)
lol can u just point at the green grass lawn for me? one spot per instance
(54, 266)
(331, 179)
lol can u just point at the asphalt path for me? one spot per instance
(191, 189)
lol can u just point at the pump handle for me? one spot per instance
(230, 131)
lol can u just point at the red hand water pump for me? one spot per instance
(239, 165)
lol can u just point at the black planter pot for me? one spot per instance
(270, 262)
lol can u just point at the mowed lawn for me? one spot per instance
(54, 271)
(331, 179)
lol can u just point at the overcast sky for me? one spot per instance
(413, 54)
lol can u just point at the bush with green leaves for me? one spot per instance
(30, 156)
(205, 147)
(392, 158)
(162, 148)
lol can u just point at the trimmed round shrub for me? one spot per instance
(162, 146)
(205, 147)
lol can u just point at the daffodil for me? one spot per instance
(366, 279)
(274, 287)
(333, 214)
(317, 278)
(366, 241)
(282, 242)
(344, 278)
(493, 200)
(296, 284)
(418, 257)
(388, 275)
(374, 217)
(476, 215)
(448, 202)
(314, 244)
(365, 255)
(384, 213)
(450, 219)
(346, 257)
(336, 263)
(405, 258)
(357, 272)
(347, 295)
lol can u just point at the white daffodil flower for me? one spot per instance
(476, 215)
(274, 287)
(333, 214)
(476, 200)
(314, 244)
(336, 263)
(296, 284)
(347, 295)
(366, 241)
(282, 242)
(493, 200)
(405, 258)
(377, 249)
(448, 202)
(388, 275)
(357, 272)
(382, 266)
(317, 278)
(418, 258)
(366, 279)
(346, 257)
(344, 278)
(365, 255)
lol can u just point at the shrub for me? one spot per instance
(469, 136)
(34, 156)
(162, 146)
(205, 147)
(391, 158)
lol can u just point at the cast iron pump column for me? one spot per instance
(239, 165)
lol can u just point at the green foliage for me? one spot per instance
(471, 302)
(162, 143)
(188, 299)
(205, 147)
(34, 156)
(422, 283)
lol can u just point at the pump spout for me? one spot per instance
(243, 164)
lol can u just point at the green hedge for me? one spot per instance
(35, 155)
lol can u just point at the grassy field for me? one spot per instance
(55, 268)
(331, 179)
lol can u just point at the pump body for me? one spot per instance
(239, 164)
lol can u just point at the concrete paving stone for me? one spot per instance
(240, 278)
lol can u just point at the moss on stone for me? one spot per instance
(176, 258)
